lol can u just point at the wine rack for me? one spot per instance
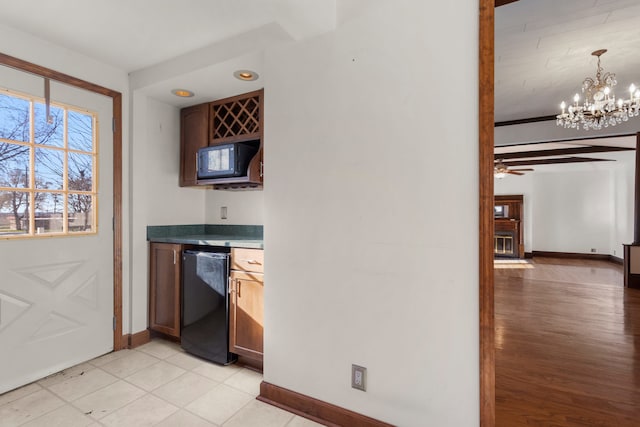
(236, 119)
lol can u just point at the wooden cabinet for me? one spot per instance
(164, 288)
(238, 118)
(194, 133)
(235, 119)
(246, 303)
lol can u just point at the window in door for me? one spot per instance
(48, 160)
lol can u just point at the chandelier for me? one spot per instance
(599, 108)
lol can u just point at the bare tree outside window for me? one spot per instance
(47, 182)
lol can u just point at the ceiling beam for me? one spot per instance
(503, 2)
(555, 161)
(522, 121)
(559, 152)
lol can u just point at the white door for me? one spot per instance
(56, 292)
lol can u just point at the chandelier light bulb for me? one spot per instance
(632, 88)
(576, 98)
(620, 102)
(637, 94)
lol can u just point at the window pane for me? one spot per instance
(80, 170)
(48, 133)
(80, 131)
(49, 166)
(14, 118)
(80, 212)
(14, 165)
(49, 212)
(14, 212)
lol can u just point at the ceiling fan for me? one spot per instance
(500, 170)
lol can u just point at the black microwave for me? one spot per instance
(226, 160)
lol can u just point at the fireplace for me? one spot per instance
(508, 239)
(504, 244)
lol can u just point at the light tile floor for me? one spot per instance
(156, 384)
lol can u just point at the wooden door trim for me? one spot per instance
(38, 70)
(486, 129)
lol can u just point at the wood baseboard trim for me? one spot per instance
(139, 338)
(617, 260)
(314, 409)
(611, 258)
(571, 255)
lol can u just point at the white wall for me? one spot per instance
(624, 187)
(573, 212)
(243, 207)
(156, 198)
(371, 243)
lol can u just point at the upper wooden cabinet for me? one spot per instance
(194, 131)
(235, 119)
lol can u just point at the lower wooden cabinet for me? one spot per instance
(246, 304)
(164, 288)
(246, 296)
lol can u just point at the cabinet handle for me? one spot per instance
(261, 169)
(174, 257)
(238, 288)
(251, 261)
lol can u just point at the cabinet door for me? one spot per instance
(246, 314)
(194, 134)
(164, 288)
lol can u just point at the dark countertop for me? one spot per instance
(235, 236)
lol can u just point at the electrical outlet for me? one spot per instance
(359, 377)
(593, 250)
(223, 212)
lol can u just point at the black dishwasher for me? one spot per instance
(205, 305)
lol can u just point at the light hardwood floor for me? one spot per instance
(567, 345)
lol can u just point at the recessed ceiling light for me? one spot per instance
(246, 75)
(183, 93)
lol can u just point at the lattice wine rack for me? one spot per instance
(237, 118)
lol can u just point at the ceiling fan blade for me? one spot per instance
(514, 172)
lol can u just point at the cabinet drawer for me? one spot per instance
(247, 259)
